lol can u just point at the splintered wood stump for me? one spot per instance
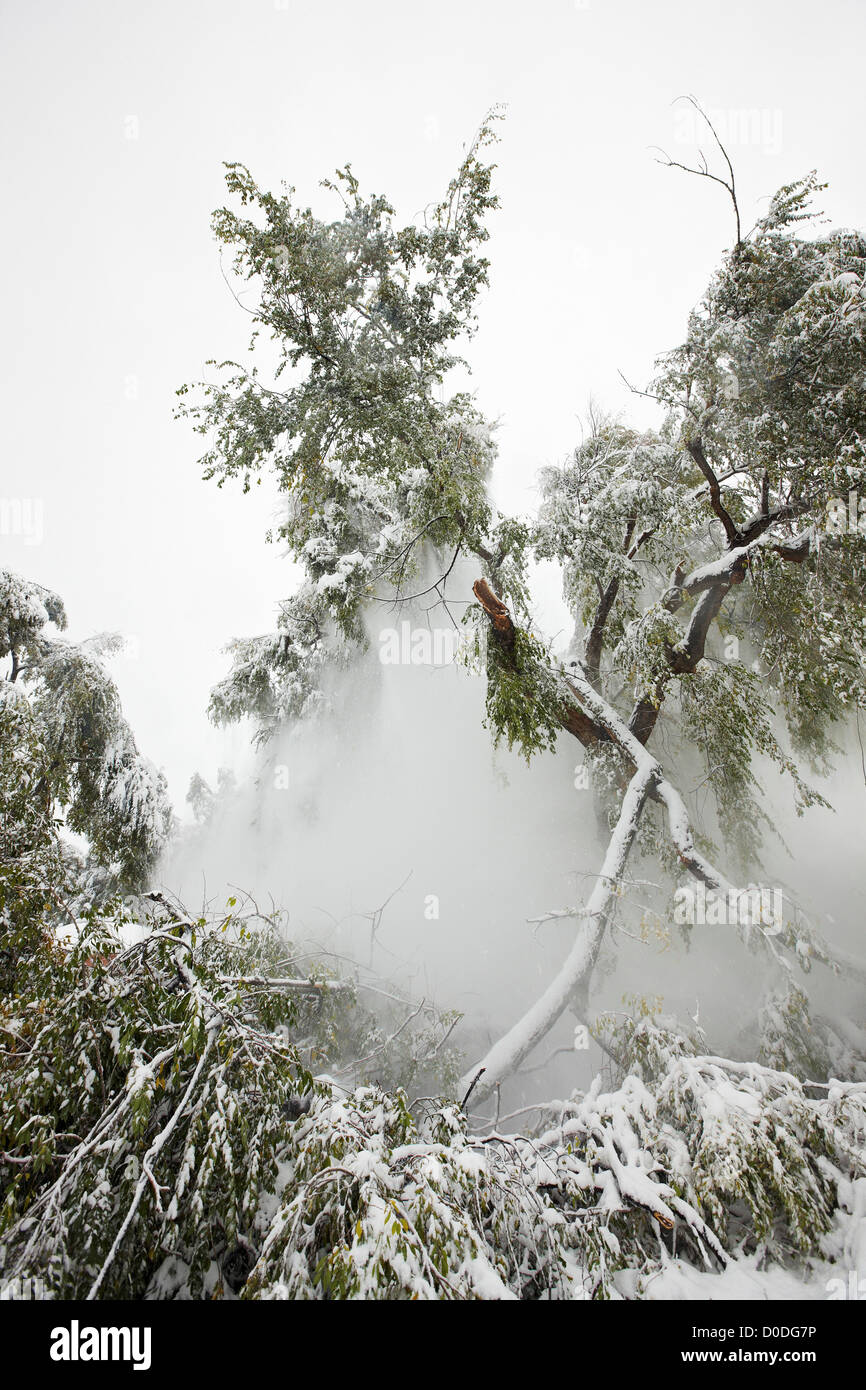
(573, 718)
(496, 612)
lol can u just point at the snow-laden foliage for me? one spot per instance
(163, 1135)
(65, 737)
(25, 609)
(758, 1152)
(152, 1069)
(278, 677)
(373, 458)
(124, 1066)
(33, 868)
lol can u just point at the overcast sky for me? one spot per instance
(116, 118)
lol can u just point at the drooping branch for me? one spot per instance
(289, 986)
(571, 984)
(572, 980)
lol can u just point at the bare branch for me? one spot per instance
(703, 172)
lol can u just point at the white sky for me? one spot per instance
(113, 294)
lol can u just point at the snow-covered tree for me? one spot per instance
(68, 758)
(377, 462)
(678, 546)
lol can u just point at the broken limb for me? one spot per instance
(574, 974)
(572, 981)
